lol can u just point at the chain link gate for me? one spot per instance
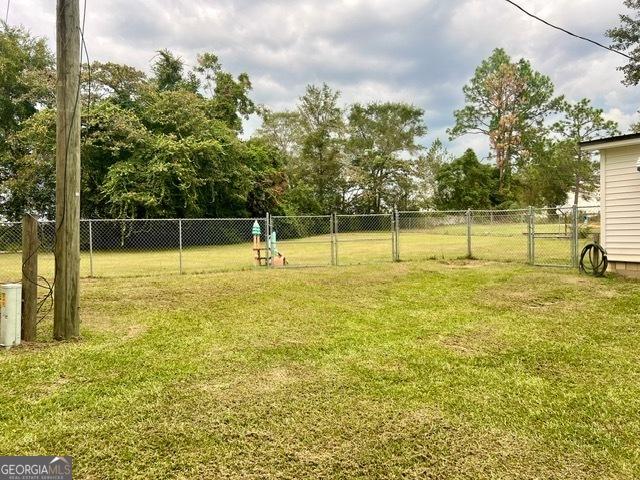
(554, 238)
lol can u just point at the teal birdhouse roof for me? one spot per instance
(256, 228)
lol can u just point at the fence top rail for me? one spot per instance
(364, 214)
(301, 216)
(580, 207)
(515, 210)
(252, 219)
(428, 212)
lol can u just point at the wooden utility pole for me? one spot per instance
(66, 320)
(30, 246)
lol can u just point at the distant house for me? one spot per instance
(620, 200)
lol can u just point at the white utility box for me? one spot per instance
(10, 314)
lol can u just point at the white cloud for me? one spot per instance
(420, 51)
(625, 120)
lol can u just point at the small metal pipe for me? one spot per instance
(180, 242)
(469, 252)
(90, 249)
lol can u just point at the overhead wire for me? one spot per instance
(598, 44)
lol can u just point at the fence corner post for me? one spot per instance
(469, 250)
(30, 247)
(180, 242)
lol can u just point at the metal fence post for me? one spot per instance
(469, 252)
(575, 238)
(335, 236)
(90, 249)
(332, 238)
(267, 243)
(396, 215)
(180, 242)
(532, 236)
(392, 217)
(529, 240)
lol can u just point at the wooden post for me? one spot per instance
(30, 246)
(66, 319)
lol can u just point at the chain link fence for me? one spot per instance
(507, 228)
(304, 240)
(10, 251)
(362, 239)
(116, 248)
(433, 235)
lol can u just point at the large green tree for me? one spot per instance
(427, 168)
(465, 183)
(506, 101)
(229, 96)
(189, 164)
(320, 165)
(269, 183)
(282, 130)
(169, 74)
(30, 186)
(382, 150)
(545, 179)
(122, 84)
(582, 122)
(151, 147)
(27, 84)
(626, 37)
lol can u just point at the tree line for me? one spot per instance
(170, 143)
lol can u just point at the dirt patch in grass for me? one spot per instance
(545, 291)
(474, 341)
(466, 263)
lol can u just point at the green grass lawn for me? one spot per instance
(410, 370)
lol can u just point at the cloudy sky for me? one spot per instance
(419, 51)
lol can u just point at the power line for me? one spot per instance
(568, 32)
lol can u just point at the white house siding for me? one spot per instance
(620, 183)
